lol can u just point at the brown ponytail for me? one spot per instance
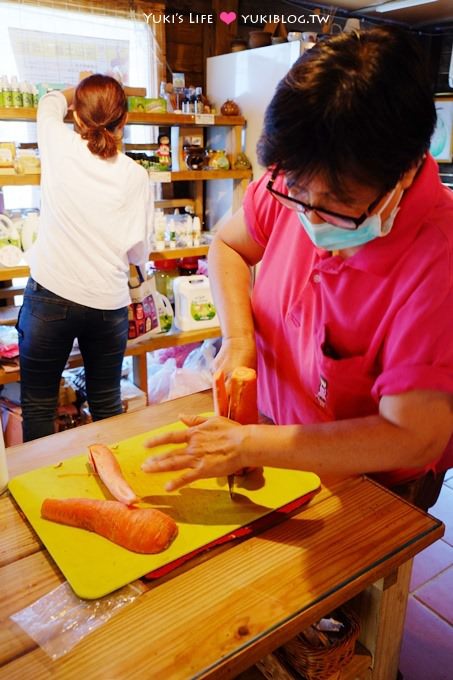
(101, 107)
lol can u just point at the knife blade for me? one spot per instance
(231, 486)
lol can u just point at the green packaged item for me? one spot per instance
(136, 103)
(156, 105)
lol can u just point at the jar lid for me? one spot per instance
(165, 264)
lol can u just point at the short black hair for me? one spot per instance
(357, 106)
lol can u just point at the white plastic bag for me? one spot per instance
(166, 381)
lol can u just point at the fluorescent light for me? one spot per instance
(400, 4)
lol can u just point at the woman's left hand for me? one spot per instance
(213, 449)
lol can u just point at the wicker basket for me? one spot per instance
(319, 663)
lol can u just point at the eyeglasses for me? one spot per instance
(333, 218)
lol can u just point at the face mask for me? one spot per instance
(327, 236)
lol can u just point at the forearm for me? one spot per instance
(69, 95)
(336, 449)
(230, 280)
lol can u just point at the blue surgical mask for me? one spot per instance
(325, 235)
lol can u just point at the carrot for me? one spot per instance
(241, 405)
(104, 463)
(243, 396)
(220, 395)
(142, 530)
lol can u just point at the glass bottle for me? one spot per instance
(165, 271)
(198, 104)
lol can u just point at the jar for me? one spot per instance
(238, 45)
(219, 160)
(165, 271)
(194, 157)
(259, 39)
(188, 266)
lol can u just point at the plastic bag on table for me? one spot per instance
(167, 381)
(200, 359)
(60, 619)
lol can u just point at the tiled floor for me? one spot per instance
(427, 651)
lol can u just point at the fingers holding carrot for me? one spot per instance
(213, 449)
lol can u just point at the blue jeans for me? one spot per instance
(47, 326)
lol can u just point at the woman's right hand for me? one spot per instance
(240, 351)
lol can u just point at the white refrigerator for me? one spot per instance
(249, 78)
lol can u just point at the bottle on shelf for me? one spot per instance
(170, 234)
(159, 230)
(16, 94)
(196, 231)
(27, 94)
(185, 108)
(165, 271)
(198, 103)
(191, 96)
(7, 93)
(164, 94)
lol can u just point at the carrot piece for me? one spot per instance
(219, 394)
(104, 463)
(142, 530)
(243, 396)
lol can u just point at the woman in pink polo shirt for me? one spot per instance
(350, 321)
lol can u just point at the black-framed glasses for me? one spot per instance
(333, 218)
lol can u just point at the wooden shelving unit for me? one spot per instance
(8, 314)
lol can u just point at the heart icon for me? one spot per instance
(227, 17)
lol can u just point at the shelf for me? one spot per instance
(134, 118)
(177, 176)
(7, 273)
(19, 114)
(19, 180)
(164, 340)
(8, 315)
(175, 253)
(177, 119)
(183, 175)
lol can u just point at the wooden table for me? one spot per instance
(219, 614)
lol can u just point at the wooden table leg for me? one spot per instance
(382, 611)
(140, 372)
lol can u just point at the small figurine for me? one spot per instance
(164, 151)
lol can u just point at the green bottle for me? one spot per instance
(7, 94)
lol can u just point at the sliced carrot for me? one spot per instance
(219, 394)
(243, 396)
(142, 530)
(107, 467)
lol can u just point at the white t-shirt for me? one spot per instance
(95, 215)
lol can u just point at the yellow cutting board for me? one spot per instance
(203, 511)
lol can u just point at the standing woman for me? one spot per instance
(94, 223)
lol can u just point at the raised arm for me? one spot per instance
(231, 256)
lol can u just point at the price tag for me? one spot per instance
(204, 119)
(158, 176)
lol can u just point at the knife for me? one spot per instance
(231, 486)
(222, 408)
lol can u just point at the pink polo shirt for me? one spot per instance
(334, 335)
